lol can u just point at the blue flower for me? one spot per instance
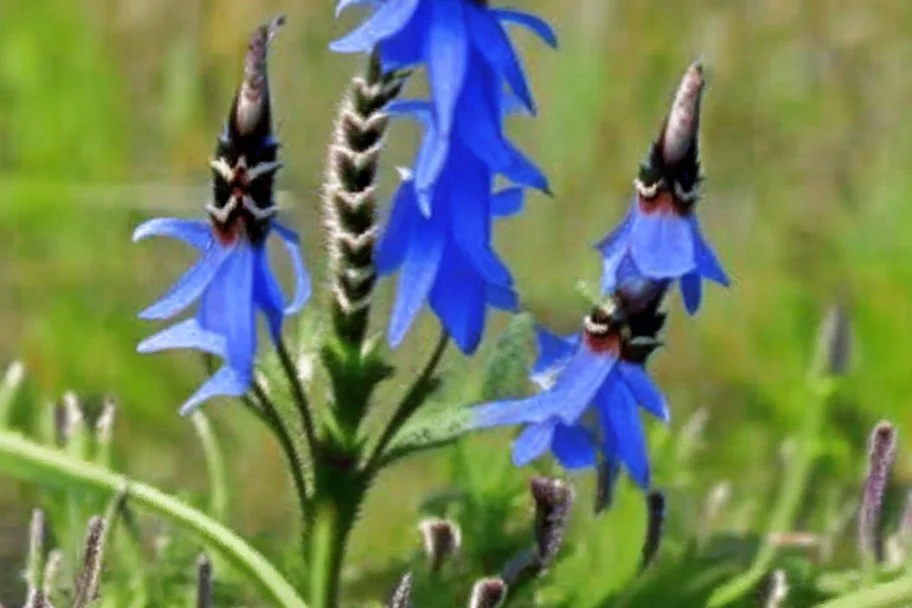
(660, 237)
(478, 127)
(232, 280)
(588, 403)
(661, 242)
(446, 259)
(443, 34)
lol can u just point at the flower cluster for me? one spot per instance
(233, 279)
(438, 230)
(593, 382)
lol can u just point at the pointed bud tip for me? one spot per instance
(682, 124)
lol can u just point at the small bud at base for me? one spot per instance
(488, 593)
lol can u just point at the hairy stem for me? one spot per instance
(413, 399)
(300, 397)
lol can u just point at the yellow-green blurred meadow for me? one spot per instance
(109, 111)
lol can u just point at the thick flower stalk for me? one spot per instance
(233, 279)
(592, 386)
(660, 234)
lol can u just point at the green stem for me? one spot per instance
(894, 594)
(215, 464)
(334, 516)
(300, 397)
(413, 399)
(797, 471)
(274, 421)
(28, 461)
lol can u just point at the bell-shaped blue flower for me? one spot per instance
(232, 280)
(588, 405)
(660, 236)
(446, 260)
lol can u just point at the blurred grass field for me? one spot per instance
(109, 110)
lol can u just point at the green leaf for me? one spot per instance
(30, 462)
(894, 594)
(505, 371)
(440, 426)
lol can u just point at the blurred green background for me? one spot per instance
(109, 110)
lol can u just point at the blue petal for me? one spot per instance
(573, 447)
(407, 47)
(532, 442)
(227, 307)
(432, 156)
(616, 241)
(494, 45)
(571, 394)
(644, 390)
(449, 50)
(186, 334)
(468, 187)
(302, 288)
(226, 382)
(536, 24)
(507, 202)
(707, 262)
(196, 233)
(692, 291)
(619, 414)
(521, 170)
(511, 105)
(419, 109)
(502, 297)
(190, 286)
(419, 270)
(267, 294)
(389, 19)
(458, 299)
(397, 232)
(662, 244)
(553, 352)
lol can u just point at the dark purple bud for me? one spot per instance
(442, 539)
(402, 596)
(553, 500)
(488, 593)
(881, 453)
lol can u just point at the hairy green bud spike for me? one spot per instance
(349, 197)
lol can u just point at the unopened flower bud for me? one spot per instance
(442, 539)
(684, 118)
(488, 593)
(882, 451)
(553, 499)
